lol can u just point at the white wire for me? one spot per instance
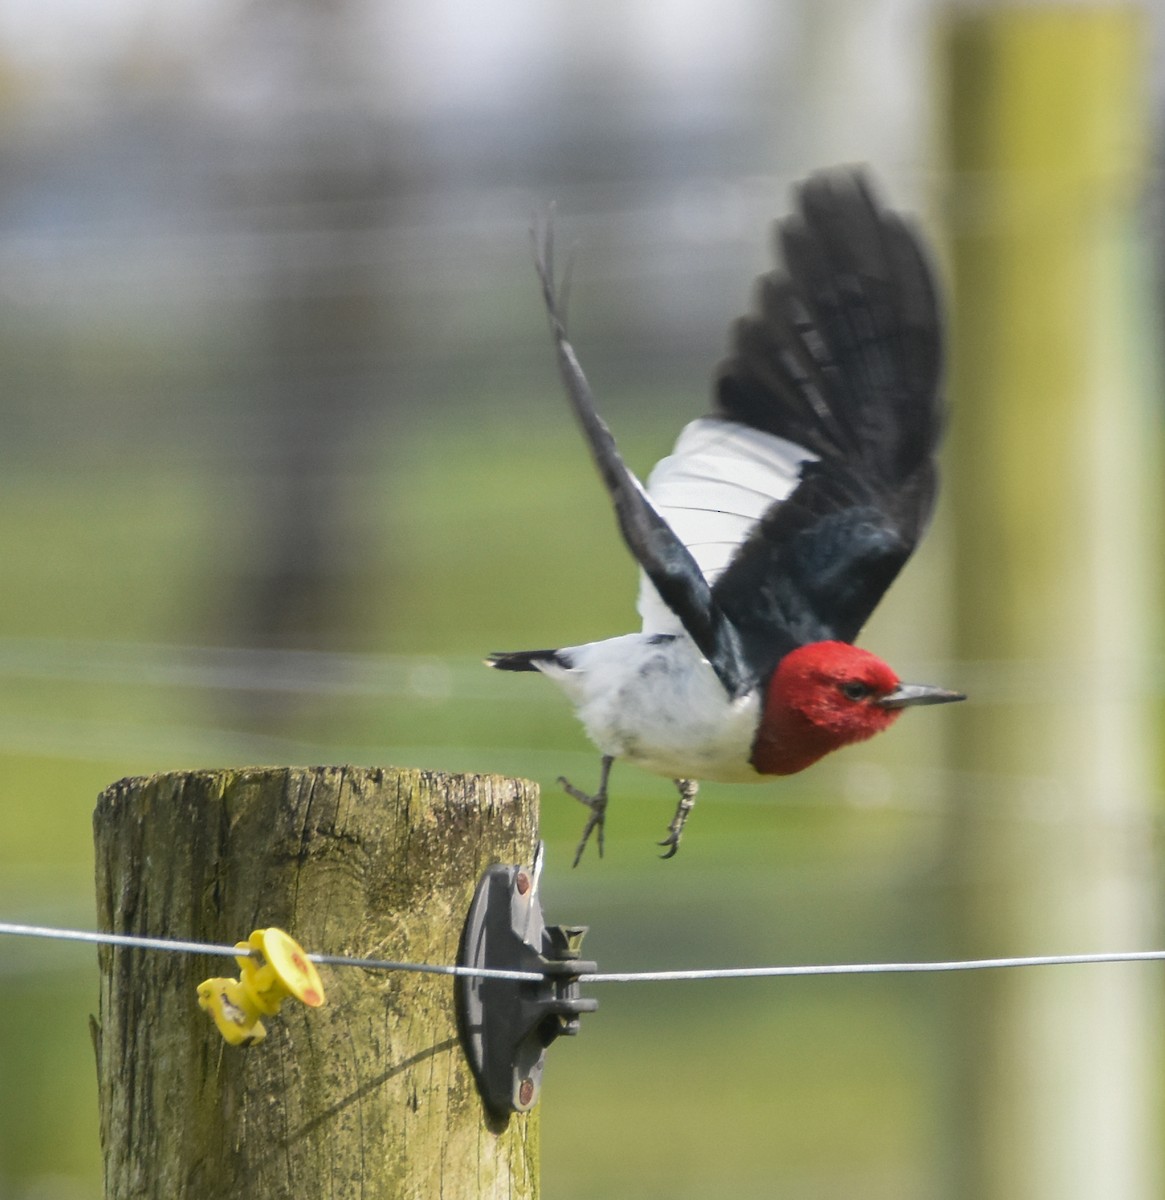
(885, 968)
(379, 964)
(180, 947)
(384, 964)
(116, 939)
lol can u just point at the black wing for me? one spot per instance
(666, 561)
(844, 358)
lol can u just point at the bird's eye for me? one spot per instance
(855, 690)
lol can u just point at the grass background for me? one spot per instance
(481, 534)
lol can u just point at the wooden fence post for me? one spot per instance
(369, 1096)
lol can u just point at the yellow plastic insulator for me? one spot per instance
(233, 1011)
(273, 967)
(281, 970)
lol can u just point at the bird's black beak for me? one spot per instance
(907, 694)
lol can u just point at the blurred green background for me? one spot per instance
(283, 454)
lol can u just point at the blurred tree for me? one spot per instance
(313, 174)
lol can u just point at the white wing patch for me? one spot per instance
(720, 479)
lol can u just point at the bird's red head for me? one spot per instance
(827, 695)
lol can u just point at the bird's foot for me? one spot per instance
(598, 806)
(687, 789)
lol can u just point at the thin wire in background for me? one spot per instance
(435, 677)
(441, 681)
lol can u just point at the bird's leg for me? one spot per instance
(596, 803)
(687, 789)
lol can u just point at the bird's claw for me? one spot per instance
(687, 789)
(597, 820)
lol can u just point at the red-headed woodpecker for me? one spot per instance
(769, 534)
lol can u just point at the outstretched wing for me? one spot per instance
(844, 358)
(805, 494)
(664, 558)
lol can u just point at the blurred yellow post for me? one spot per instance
(1055, 499)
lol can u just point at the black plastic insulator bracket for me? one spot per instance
(507, 1024)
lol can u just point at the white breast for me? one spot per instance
(657, 703)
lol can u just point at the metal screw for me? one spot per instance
(525, 1090)
(523, 883)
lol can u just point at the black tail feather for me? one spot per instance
(524, 660)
